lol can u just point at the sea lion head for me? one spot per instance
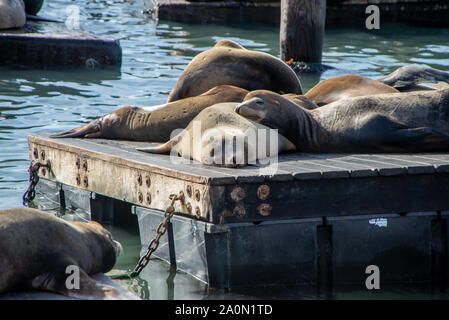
(103, 248)
(270, 109)
(226, 146)
(262, 106)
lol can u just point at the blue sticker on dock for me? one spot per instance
(380, 222)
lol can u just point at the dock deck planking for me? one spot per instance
(317, 184)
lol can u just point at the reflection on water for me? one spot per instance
(154, 55)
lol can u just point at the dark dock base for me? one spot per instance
(49, 45)
(408, 248)
(321, 219)
(306, 252)
(349, 13)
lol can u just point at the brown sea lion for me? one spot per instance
(40, 251)
(346, 86)
(409, 78)
(230, 63)
(12, 14)
(397, 122)
(403, 79)
(219, 136)
(153, 123)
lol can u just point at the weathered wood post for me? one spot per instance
(302, 30)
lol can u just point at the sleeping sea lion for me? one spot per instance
(36, 249)
(346, 86)
(153, 123)
(409, 78)
(396, 122)
(12, 14)
(403, 79)
(230, 63)
(219, 136)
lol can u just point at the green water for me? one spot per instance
(154, 55)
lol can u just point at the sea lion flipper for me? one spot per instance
(420, 139)
(411, 75)
(92, 129)
(158, 148)
(84, 287)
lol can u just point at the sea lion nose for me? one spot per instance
(237, 108)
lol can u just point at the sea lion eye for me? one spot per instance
(259, 102)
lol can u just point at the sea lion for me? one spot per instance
(395, 122)
(36, 249)
(409, 78)
(346, 86)
(153, 123)
(403, 79)
(230, 63)
(12, 14)
(219, 136)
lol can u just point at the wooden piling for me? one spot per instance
(302, 30)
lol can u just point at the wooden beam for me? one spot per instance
(302, 30)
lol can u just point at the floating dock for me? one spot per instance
(320, 219)
(338, 13)
(46, 45)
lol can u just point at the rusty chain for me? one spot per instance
(30, 194)
(33, 170)
(160, 231)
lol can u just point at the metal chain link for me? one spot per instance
(160, 231)
(30, 194)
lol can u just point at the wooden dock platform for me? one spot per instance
(311, 217)
(338, 13)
